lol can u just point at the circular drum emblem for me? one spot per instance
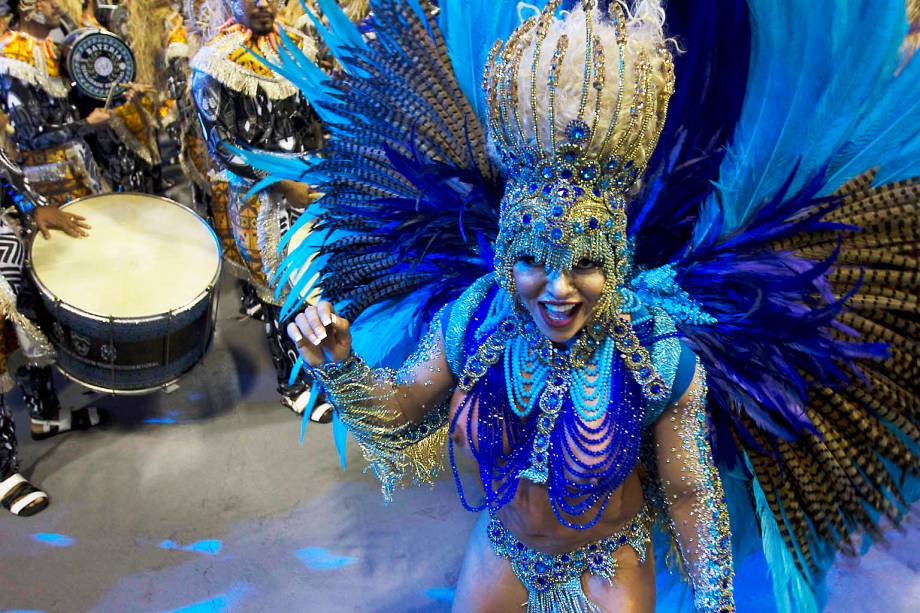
(99, 62)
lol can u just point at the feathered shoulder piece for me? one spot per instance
(237, 58)
(33, 61)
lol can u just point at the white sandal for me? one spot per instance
(68, 419)
(20, 497)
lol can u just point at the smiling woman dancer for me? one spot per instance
(620, 332)
(559, 346)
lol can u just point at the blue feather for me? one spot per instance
(340, 437)
(820, 101)
(792, 592)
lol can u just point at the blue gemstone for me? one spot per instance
(636, 358)
(628, 165)
(645, 372)
(558, 381)
(526, 219)
(618, 329)
(612, 164)
(593, 223)
(540, 458)
(545, 423)
(577, 131)
(540, 567)
(596, 192)
(541, 441)
(628, 342)
(588, 173)
(556, 234)
(552, 401)
(547, 189)
(622, 540)
(547, 172)
(562, 192)
(656, 388)
(534, 187)
(557, 210)
(566, 174)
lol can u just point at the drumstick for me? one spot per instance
(108, 99)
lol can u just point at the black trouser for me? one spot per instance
(284, 351)
(9, 463)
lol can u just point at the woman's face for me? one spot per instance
(560, 303)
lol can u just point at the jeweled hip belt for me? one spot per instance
(554, 581)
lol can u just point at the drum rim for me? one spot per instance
(211, 288)
(141, 391)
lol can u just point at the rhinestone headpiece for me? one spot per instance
(572, 151)
(576, 106)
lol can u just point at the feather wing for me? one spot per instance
(411, 198)
(805, 254)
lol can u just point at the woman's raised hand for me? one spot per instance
(321, 335)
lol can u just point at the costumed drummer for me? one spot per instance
(17, 330)
(48, 130)
(242, 103)
(126, 148)
(751, 299)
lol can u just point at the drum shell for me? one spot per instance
(148, 354)
(128, 355)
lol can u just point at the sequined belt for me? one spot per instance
(554, 581)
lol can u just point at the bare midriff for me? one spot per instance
(530, 517)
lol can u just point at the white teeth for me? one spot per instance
(561, 309)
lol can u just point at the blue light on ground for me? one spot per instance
(54, 540)
(209, 547)
(222, 602)
(320, 558)
(171, 417)
(441, 594)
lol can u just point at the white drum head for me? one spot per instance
(144, 256)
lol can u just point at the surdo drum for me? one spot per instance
(98, 62)
(131, 307)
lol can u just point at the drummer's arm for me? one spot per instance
(217, 115)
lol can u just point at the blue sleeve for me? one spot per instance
(684, 377)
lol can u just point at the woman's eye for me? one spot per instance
(587, 264)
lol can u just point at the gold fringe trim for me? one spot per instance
(214, 60)
(34, 75)
(37, 347)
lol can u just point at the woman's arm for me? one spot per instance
(398, 417)
(693, 496)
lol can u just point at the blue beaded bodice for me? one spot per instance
(575, 428)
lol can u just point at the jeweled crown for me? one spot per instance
(574, 127)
